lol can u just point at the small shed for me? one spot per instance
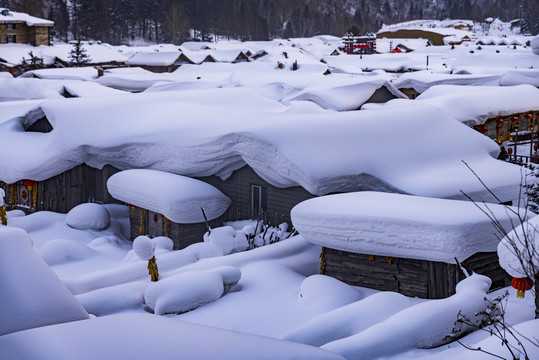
(165, 204)
(396, 242)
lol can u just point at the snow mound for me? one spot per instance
(189, 290)
(513, 250)
(179, 198)
(163, 243)
(399, 225)
(144, 247)
(144, 336)
(414, 327)
(320, 293)
(88, 216)
(59, 251)
(350, 319)
(113, 299)
(32, 295)
(227, 239)
(535, 45)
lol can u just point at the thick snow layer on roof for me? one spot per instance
(13, 16)
(156, 58)
(145, 336)
(28, 89)
(518, 251)
(422, 80)
(496, 62)
(216, 131)
(473, 105)
(400, 225)
(77, 73)
(521, 76)
(349, 94)
(32, 294)
(177, 197)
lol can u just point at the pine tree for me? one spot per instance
(78, 56)
(33, 63)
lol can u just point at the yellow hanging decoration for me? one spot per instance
(167, 225)
(389, 259)
(34, 195)
(322, 261)
(12, 195)
(152, 269)
(3, 216)
(370, 257)
(142, 216)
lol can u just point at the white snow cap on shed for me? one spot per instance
(399, 225)
(177, 197)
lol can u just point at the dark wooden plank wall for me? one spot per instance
(182, 235)
(238, 188)
(411, 277)
(73, 187)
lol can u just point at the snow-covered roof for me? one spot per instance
(473, 105)
(422, 80)
(177, 197)
(8, 16)
(156, 58)
(348, 94)
(518, 251)
(76, 73)
(216, 131)
(399, 225)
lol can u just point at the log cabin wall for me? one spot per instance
(410, 277)
(154, 224)
(61, 193)
(278, 201)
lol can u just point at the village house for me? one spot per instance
(21, 28)
(416, 246)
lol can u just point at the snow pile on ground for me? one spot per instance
(425, 325)
(177, 197)
(400, 225)
(313, 286)
(88, 216)
(59, 251)
(189, 290)
(32, 295)
(535, 45)
(519, 250)
(348, 320)
(144, 336)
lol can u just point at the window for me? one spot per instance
(10, 38)
(258, 200)
(10, 26)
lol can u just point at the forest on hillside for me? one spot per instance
(127, 21)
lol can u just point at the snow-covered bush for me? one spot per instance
(189, 290)
(144, 247)
(88, 216)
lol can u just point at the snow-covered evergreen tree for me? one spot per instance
(78, 55)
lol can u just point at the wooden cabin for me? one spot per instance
(410, 277)
(403, 243)
(21, 28)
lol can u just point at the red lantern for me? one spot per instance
(535, 147)
(529, 116)
(514, 118)
(522, 284)
(28, 183)
(509, 151)
(500, 122)
(483, 129)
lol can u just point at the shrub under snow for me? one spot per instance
(89, 216)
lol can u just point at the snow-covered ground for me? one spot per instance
(271, 296)
(216, 298)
